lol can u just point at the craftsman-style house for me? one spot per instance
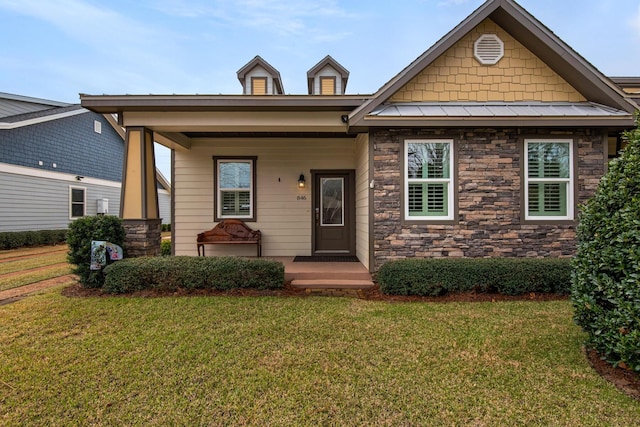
(484, 146)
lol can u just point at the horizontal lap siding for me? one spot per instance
(285, 221)
(34, 203)
(362, 199)
(164, 205)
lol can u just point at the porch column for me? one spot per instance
(139, 199)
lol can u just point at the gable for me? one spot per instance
(457, 75)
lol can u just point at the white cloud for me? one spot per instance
(77, 18)
(282, 17)
(635, 21)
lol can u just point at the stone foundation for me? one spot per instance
(142, 237)
(488, 211)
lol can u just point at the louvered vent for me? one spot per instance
(488, 49)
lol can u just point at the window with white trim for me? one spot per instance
(77, 202)
(549, 179)
(235, 188)
(428, 180)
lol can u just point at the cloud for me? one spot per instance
(111, 36)
(635, 21)
(281, 17)
(76, 18)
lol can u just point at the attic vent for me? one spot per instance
(488, 49)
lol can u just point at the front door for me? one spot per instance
(333, 212)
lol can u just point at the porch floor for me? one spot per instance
(333, 278)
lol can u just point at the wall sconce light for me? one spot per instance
(301, 181)
(79, 178)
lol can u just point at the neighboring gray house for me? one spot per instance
(59, 162)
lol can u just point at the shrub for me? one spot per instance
(18, 239)
(606, 279)
(165, 247)
(81, 232)
(166, 227)
(509, 276)
(184, 272)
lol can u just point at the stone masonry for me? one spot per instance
(142, 237)
(489, 219)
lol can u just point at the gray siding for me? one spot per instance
(70, 143)
(33, 203)
(164, 203)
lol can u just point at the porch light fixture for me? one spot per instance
(301, 181)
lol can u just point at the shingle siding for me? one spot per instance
(70, 143)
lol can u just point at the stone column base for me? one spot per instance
(142, 237)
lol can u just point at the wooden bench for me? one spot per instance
(230, 232)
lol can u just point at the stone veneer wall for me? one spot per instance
(489, 213)
(142, 237)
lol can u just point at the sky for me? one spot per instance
(58, 49)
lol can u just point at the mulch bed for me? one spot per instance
(625, 380)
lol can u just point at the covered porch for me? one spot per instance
(269, 144)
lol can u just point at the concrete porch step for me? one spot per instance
(352, 284)
(326, 275)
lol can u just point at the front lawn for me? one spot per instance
(297, 361)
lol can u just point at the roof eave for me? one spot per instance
(621, 122)
(106, 104)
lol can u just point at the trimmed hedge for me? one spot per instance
(186, 272)
(18, 239)
(165, 247)
(81, 232)
(508, 276)
(606, 281)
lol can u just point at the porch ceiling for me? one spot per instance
(258, 122)
(282, 135)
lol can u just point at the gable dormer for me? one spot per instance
(258, 77)
(327, 77)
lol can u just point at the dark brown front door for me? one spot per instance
(333, 212)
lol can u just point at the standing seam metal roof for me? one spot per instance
(474, 109)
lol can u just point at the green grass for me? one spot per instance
(25, 264)
(297, 361)
(38, 250)
(29, 277)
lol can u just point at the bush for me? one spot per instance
(18, 239)
(166, 227)
(509, 276)
(606, 279)
(81, 232)
(185, 272)
(165, 247)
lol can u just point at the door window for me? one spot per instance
(331, 202)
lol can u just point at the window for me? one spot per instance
(235, 188)
(77, 202)
(258, 86)
(327, 85)
(549, 179)
(428, 180)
